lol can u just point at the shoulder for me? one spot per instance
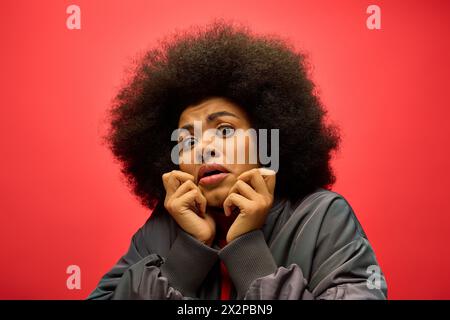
(319, 197)
(329, 210)
(157, 234)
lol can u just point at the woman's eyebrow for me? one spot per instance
(211, 117)
(217, 114)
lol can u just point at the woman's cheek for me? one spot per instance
(185, 166)
(249, 147)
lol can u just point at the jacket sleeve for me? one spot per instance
(343, 264)
(156, 277)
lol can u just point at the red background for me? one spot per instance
(64, 202)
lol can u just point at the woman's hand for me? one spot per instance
(187, 205)
(252, 195)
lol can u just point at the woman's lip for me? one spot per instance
(214, 179)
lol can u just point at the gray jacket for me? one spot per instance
(312, 249)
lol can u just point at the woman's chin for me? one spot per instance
(216, 198)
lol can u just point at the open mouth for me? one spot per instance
(211, 174)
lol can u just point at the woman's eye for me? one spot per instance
(188, 143)
(225, 131)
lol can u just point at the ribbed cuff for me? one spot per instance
(247, 258)
(187, 263)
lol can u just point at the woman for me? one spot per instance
(222, 228)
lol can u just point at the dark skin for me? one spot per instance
(241, 201)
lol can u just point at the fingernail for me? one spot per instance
(266, 172)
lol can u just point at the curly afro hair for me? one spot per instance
(263, 74)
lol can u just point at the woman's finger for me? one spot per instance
(202, 202)
(188, 199)
(255, 180)
(234, 200)
(269, 177)
(185, 187)
(194, 199)
(244, 189)
(172, 180)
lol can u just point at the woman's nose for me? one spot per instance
(207, 150)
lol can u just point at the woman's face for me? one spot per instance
(214, 151)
